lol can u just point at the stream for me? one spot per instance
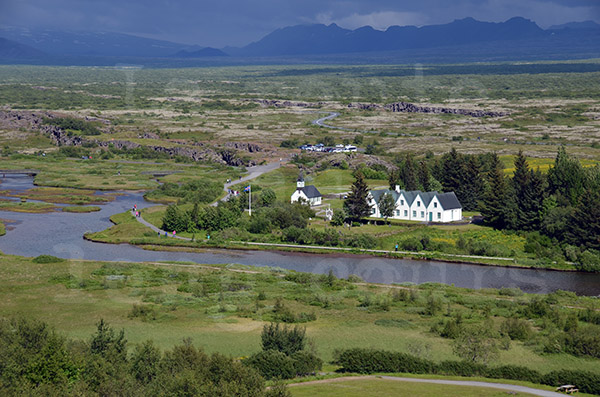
(60, 234)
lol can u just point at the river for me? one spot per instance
(60, 234)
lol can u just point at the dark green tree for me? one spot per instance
(493, 205)
(387, 205)
(175, 219)
(395, 180)
(356, 205)
(566, 178)
(285, 339)
(424, 176)
(409, 173)
(471, 187)
(584, 224)
(267, 197)
(145, 362)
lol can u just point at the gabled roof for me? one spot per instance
(427, 197)
(378, 194)
(410, 196)
(310, 191)
(449, 201)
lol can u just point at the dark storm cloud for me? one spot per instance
(238, 22)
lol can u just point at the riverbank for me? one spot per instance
(227, 305)
(125, 232)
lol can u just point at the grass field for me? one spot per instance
(384, 387)
(217, 306)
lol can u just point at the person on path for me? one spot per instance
(173, 233)
(396, 246)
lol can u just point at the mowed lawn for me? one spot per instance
(361, 387)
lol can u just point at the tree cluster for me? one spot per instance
(284, 354)
(561, 208)
(37, 361)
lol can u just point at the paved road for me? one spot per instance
(254, 173)
(501, 386)
(331, 115)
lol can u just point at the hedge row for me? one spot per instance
(366, 361)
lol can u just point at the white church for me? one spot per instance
(307, 194)
(418, 206)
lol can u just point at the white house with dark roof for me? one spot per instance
(418, 206)
(308, 194)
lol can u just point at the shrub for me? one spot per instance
(367, 361)
(283, 338)
(514, 372)
(306, 363)
(516, 329)
(272, 364)
(47, 259)
(586, 382)
(411, 244)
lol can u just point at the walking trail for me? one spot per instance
(257, 171)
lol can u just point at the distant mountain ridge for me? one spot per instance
(331, 39)
(465, 40)
(205, 52)
(75, 43)
(14, 50)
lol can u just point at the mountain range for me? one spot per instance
(517, 36)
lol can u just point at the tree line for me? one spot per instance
(38, 361)
(558, 212)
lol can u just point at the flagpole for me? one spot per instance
(250, 200)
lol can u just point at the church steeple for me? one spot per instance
(300, 181)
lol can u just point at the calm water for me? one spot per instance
(60, 234)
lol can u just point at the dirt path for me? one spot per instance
(501, 386)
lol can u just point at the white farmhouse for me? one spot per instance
(418, 206)
(308, 194)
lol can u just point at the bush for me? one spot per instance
(283, 339)
(272, 364)
(411, 244)
(306, 363)
(586, 382)
(47, 259)
(516, 329)
(514, 372)
(367, 361)
(583, 342)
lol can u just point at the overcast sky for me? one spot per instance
(218, 23)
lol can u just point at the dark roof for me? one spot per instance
(378, 194)
(449, 201)
(310, 191)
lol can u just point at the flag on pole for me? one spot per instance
(247, 188)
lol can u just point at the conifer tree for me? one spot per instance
(494, 206)
(356, 205)
(566, 178)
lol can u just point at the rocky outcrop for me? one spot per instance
(148, 135)
(365, 106)
(198, 152)
(247, 147)
(286, 104)
(412, 108)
